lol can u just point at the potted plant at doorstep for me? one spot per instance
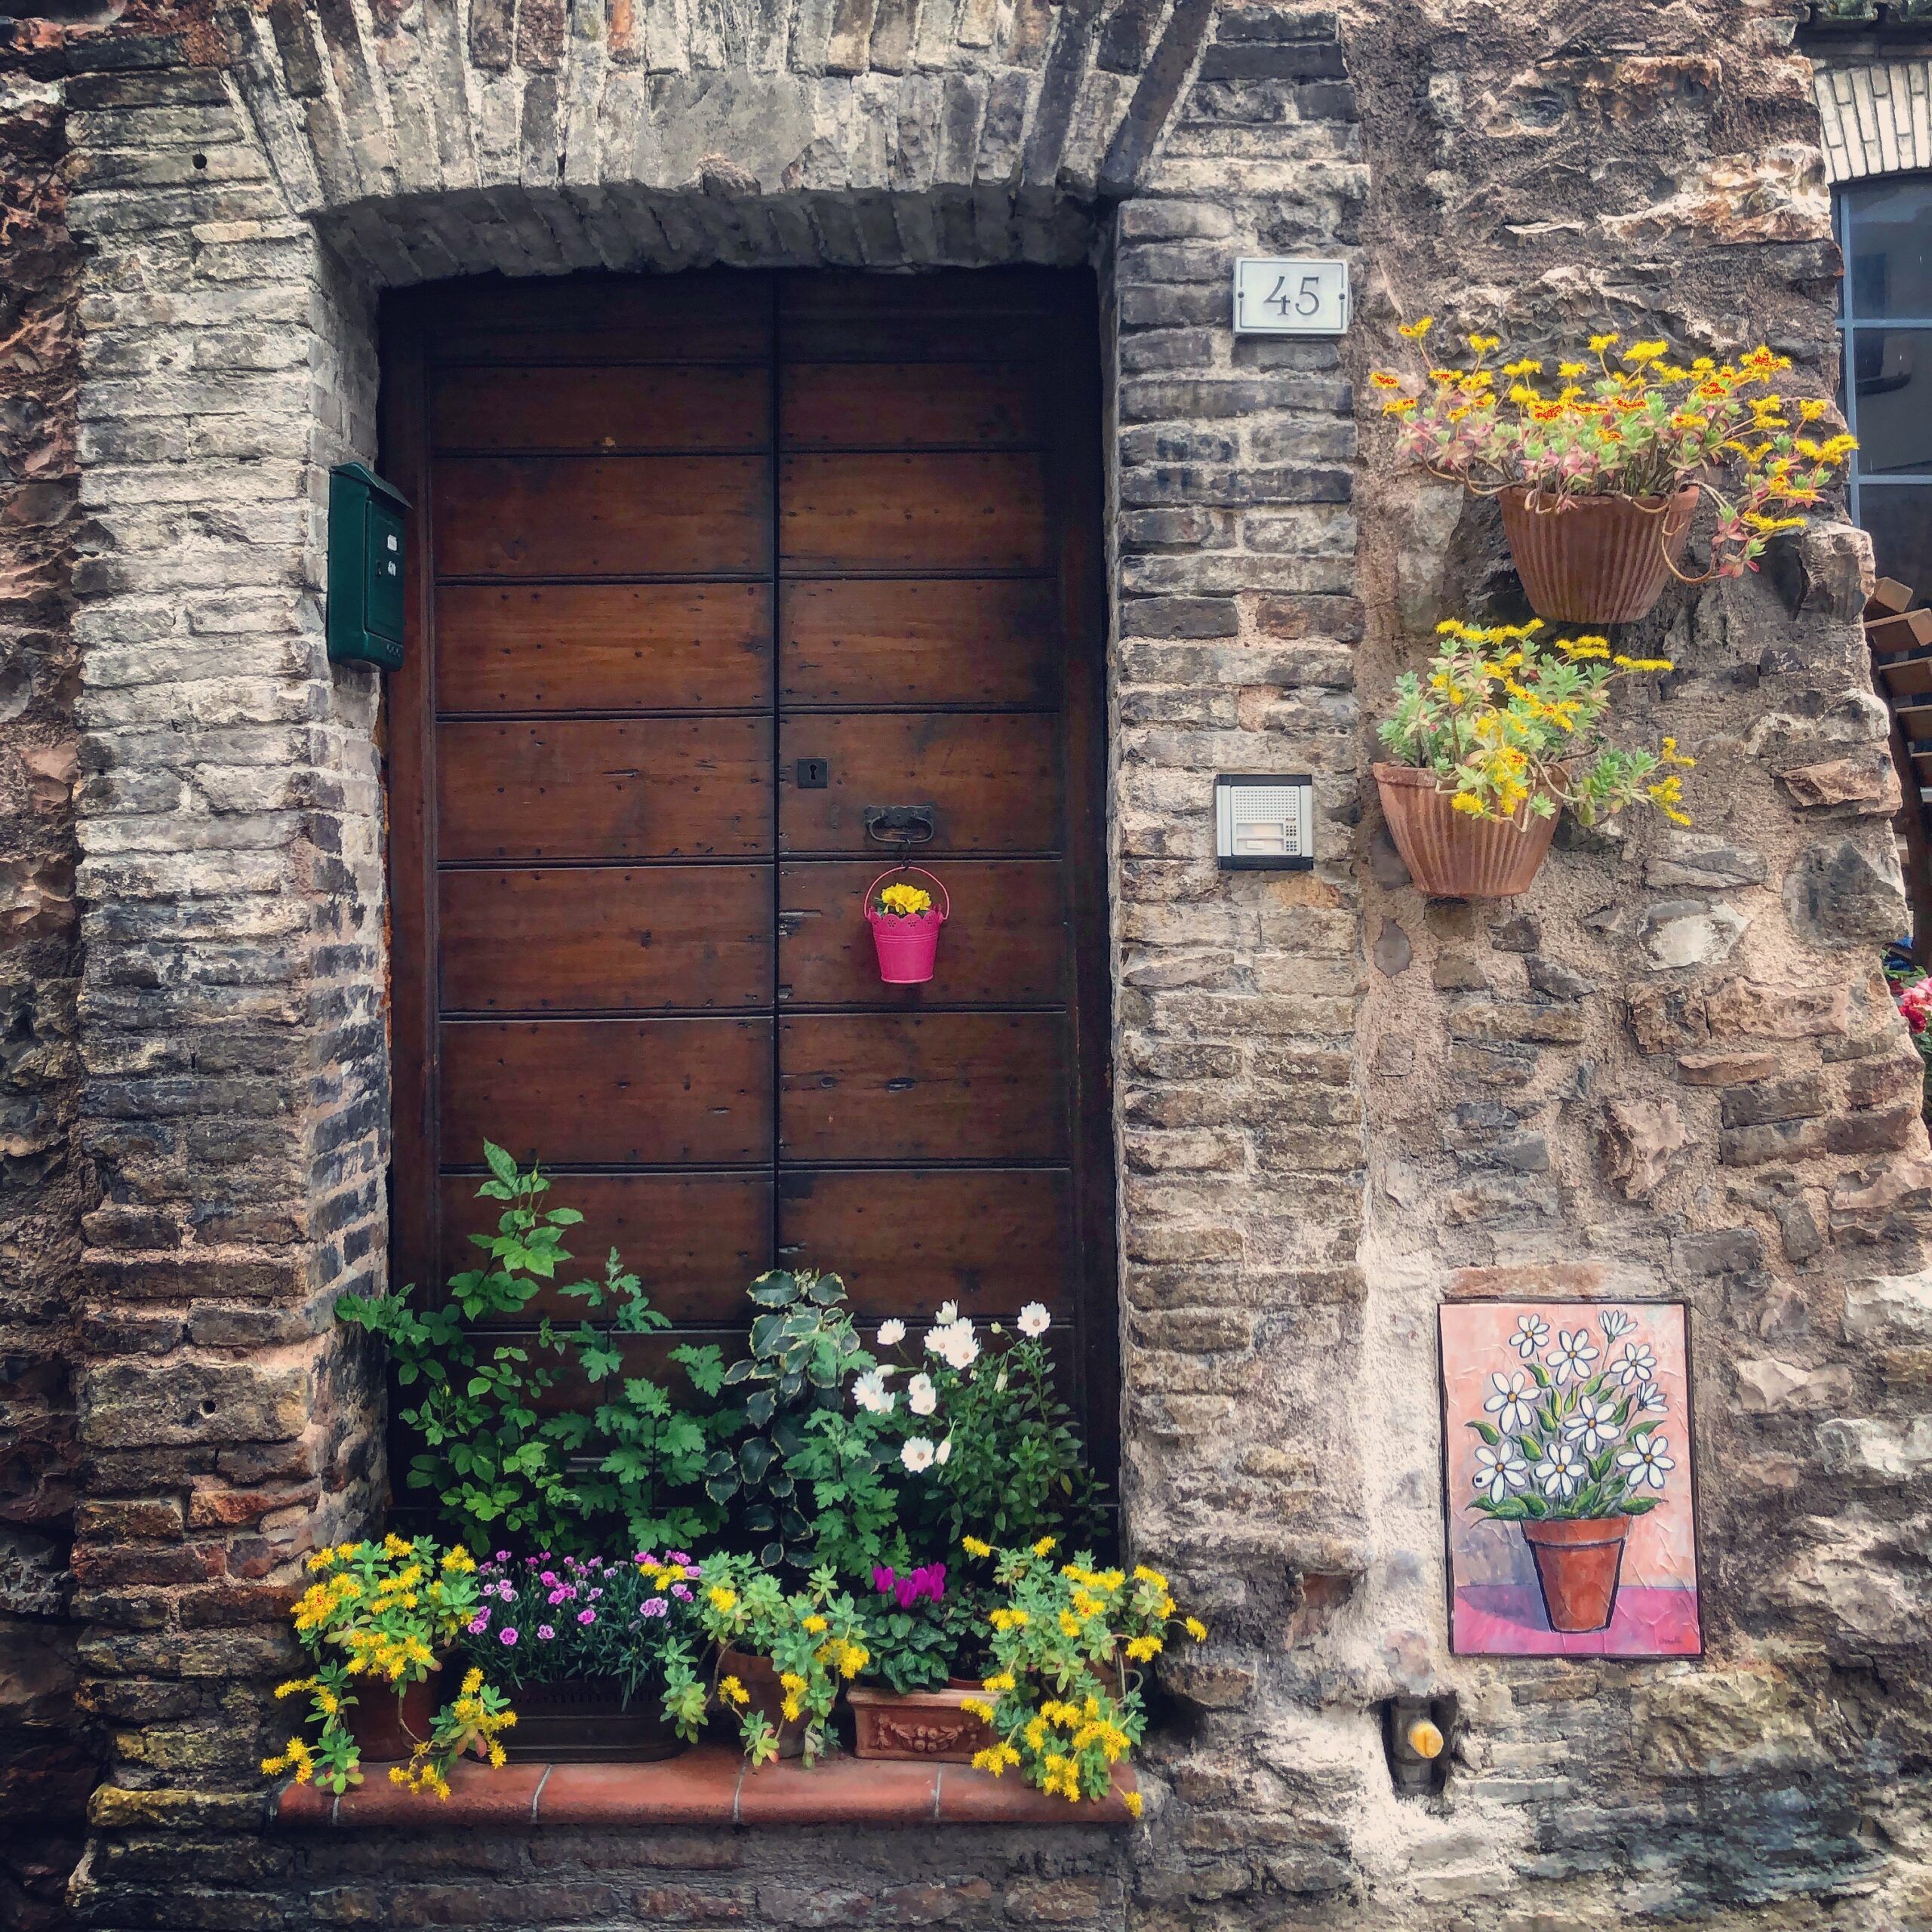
(1599, 464)
(1503, 731)
(1576, 1450)
(906, 923)
(378, 1620)
(921, 1634)
(584, 1644)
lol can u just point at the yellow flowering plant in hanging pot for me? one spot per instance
(377, 1621)
(1064, 1698)
(1504, 729)
(1600, 460)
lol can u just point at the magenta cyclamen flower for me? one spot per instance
(506, 1637)
(883, 1578)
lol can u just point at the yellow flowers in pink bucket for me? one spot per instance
(1601, 460)
(1503, 730)
(905, 924)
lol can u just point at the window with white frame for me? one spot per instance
(1885, 230)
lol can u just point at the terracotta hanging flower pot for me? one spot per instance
(1594, 560)
(1452, 854)
(1577, 1566)
(906, 923)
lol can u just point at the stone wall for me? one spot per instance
(1670, 1070)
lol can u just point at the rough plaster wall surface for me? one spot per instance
(1669, 1070)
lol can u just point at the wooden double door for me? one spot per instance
(707, 572)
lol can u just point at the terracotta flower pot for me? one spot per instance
(1595, 560)
(1451, 854)
(759, 1675)
(918, 1724)
(1577, 1566)
(584, 1721)
(386, 1728)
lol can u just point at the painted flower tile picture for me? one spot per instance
(1571, 1524)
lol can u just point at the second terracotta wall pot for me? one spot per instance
(1595, 560)
(388, 1728)
(1449, 854)
(759, 1676)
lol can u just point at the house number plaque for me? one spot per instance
(1279, 297)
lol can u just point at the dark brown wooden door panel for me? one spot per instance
(602, 516)
(1009, 944)
(608, 1093)
(579, 938)
(910, 405)
(905, 1241)
(895, 640)
(604, 647)
(674, 535)
(922, 1087)
(994, 778)
(554, 408)
(948, 511)
(696, 1238)
(604, 788)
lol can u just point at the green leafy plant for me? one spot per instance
(1513, 725)
(1063, 1697)
(378, 1618)
(810, 1638)
(803, 1349)
(630, 1466)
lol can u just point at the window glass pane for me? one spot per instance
(1890, 224)
(1899, 516)
(1892, 374)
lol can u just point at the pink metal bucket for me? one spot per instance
(907, 947)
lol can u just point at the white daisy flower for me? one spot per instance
(872, 1394)
(1614, 1322)
(917, 1454)
(1572, 1356)
(1561, 1473)
(1635, 1366)
(1034, 1319)
(943, 1454)
(922, 1398)
(1594, 1424)
(1500, 1470)
(891, 1333)
(1645, 1461)
(1532, 1331)
(948, 1313)
(1514, 1403)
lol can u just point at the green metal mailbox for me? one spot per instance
(365, 612)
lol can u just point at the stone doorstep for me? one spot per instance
(709, 1784)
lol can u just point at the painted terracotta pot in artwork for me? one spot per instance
(759, 1676)
(388, 1728)
(918, 1724)
(1449, 854)
(1594, 560)
(1577, 1565)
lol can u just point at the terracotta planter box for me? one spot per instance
(918, 1724)
(584, 1721)
(1595, 560)
(1450, 855)
(1577, 1567)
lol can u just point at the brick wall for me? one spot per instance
(1669, 1070)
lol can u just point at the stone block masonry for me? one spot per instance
(1669, 1070)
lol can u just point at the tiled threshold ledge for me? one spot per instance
(709, 1784)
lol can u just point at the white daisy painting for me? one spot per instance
(1571, 1524)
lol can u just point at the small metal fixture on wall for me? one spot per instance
(1416, 1732)
(1264, 821)
(366, 557)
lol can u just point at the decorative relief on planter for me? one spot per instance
(1571, 1525)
